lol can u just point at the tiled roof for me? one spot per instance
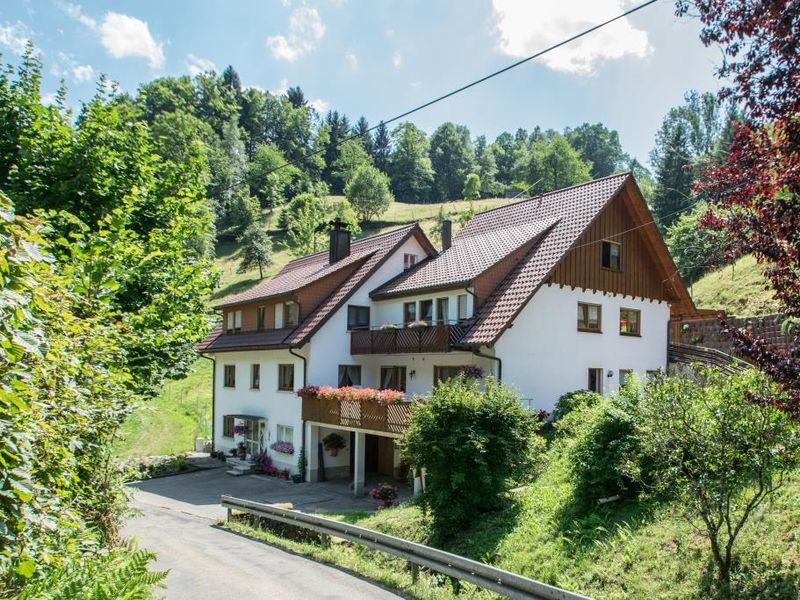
(370, 252)
(575, 208)
(474, 250)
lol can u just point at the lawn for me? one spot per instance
(740, 289)
(633, 549)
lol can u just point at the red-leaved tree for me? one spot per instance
(756, 187)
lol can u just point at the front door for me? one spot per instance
(256, 435)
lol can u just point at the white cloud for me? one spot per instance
(255, 86)
(82, 73)
(524, 28)
(352, 60)
(49, 98)
(196, 65)
(397, 60)
(15, 36)
(306, 29)
(280, 90)
(76, 12)
(123, 36)
(320, 105)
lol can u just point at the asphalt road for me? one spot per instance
(210, 563)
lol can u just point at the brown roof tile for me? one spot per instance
(249, 340)
(575, 208)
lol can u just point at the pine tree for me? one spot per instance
(361, 130)
(382, 147)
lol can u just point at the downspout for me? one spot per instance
(303, 434)
(474, 298)
(494, 358)
(213, 397)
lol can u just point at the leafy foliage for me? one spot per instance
(472, 187)
(368, 192)
(551, 164)
(718, 454)
(574, 400)
(696, 250)
(474, 443)
(256, 249)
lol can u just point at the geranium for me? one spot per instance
(309, 391)
(354, 394)
(385, 493)
(284, 447)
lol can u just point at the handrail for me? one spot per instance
(687, 353)
(509, 585)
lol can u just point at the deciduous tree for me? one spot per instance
(369, 193)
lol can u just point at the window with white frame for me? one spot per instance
(285, 433)
(442, 310)
(462, 307)
(234, 324)
(409, 260)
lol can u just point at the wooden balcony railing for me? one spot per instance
(392, 418)
(406, 340)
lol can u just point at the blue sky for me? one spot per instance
(382, 57)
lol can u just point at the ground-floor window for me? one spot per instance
(227, 426)
(349, 375)
(624, 375)
(446, 373)
(255, 436)
(393, 378)
(285, 433)
(595, 380)
(653, 373)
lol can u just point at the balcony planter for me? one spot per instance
(352, 394)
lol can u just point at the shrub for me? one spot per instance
(474, 443)
(599, 439)
(572, 400)
(385, 493)
(716, 451)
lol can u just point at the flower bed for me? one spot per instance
(352, 394)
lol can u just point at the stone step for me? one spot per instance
(235, 472)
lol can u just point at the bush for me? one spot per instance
(572, 400)
(475, 445)
(599, 439)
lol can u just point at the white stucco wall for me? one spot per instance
(544, 355)
(278, 407)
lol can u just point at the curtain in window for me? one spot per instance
(387, 379)
(349, 375)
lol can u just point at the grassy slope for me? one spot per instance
(740, 289)
(624, 550)
(170, 422)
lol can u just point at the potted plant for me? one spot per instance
(385, 493)
(333, 442)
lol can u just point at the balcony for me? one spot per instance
(406, 340)
(392, 418)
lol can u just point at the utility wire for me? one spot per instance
(476, 82)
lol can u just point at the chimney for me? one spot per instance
(340, 241)
(447, 234)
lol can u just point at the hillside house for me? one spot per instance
(568, 290)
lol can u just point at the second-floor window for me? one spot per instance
(292, 314)
(393, 378)
(426, 311)
(612, 256)
(286, 378)
(230, 376)
(357, 317)
(442, 310)
(234, 324)
(261, 317)
(462, 307)
(630, 321)
(255, 376)
(589, 317)
(409, 260)
(349, 375)
(409, 312)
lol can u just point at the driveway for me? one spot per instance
(177, 521)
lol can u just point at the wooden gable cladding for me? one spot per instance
(641, 274)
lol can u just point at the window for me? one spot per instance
(589, 317)
(441, 374)
(255, 376)
(393, 378)
(349, 375)
(291, 314)
(630, 321)
(442, 310)
(462, 307)
(653, 374)
(426, 311)
(227, 426)
(230, 376)
(285, 433)
(612, 256)
(234, 321)
(624, 375)
(596, 380)
(357, 317)
(261, 317)
(409, 312)
(279, 315)
(409, 260)
(286, 377)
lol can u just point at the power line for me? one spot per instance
(477, 81)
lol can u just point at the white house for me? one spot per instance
(568, 290)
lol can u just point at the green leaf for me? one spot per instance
(26, 568)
